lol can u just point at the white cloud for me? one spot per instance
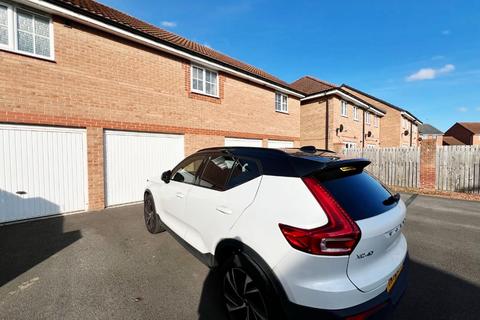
(462, 109)
(169, 24)
(206, 44)
(446, 32)
(430, 73)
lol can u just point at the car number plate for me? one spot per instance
(393, 279)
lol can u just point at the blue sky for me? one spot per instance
(422, 55)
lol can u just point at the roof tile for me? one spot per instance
(473, 127)
(310, 85)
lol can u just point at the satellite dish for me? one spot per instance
(405, 132)
(369, 134)
(341, 128)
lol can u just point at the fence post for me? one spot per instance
(428, 156)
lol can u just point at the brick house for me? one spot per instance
(333, 118)
(400, 127)
(93, 101)
(463, 133)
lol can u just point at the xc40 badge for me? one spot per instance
(364, 255)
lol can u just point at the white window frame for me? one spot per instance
(204, 91)
(367, 118)
(344, 109)
(13, 32)
(376, 120)
(355, 113)
(10, 25)
(283, 105)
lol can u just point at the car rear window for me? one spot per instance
(361, 195)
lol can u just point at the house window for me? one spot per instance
(343, 109)
(367, 117)
(25, 32)
(376, 120)
(281, 102)
(350, 145)
(204, 81)
(355, 113)
(5, 26)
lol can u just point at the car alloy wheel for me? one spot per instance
(149, 213)
(243, 298)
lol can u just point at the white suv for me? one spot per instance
(295, 233)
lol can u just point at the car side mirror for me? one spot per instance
(166, 176)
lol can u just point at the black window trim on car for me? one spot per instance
(188, 160)
(226, 186)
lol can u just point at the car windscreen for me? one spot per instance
(359, 194)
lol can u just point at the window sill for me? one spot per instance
(26, 54)
(358, 120)
(343, 115)
(204, 94)
(283, 112)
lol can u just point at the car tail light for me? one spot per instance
(338, 237)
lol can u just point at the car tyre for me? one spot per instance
(152, 220)
(247, 293)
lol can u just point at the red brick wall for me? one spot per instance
(96, 200)
(428, 154)
(99, 82)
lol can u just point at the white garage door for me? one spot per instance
(133, 157)
(236, 142)
(279, 144)
(42, 171)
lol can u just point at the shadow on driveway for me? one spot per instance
(431, 294)
(24, 245)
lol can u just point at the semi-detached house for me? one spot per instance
(93, 101)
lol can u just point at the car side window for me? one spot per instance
(186, 172)
(216, 173)
(244, 171)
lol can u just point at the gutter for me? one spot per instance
(95, 23)
(411, 118)
(345, 97)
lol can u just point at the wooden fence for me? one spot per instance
(393, 166)
(458, 168)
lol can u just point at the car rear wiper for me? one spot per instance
(392, 199)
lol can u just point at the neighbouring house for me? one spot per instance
(337, 117)
(463, 133)
(93, 102)
(399, 126)
(429, 132)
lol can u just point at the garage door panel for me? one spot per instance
(133, 157)
(238, 142)
(42, 171)
(280, 144)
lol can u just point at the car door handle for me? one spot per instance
(180, 195)
(224, 210)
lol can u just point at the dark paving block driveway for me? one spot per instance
(105, 265)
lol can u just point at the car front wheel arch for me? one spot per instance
(229, 247)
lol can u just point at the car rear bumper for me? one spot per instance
(377, 307)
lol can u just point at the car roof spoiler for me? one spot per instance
(344, 165)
